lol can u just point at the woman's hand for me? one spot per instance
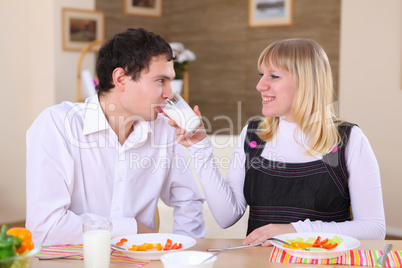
(268, 231)
(182, 136)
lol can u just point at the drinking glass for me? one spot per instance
(97, 238)
(178, 110)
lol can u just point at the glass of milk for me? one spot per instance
(97, 238)
(178, 110)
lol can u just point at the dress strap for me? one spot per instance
(253, 145)
(335, 162)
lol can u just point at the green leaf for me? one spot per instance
(335, 239)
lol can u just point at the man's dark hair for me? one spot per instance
(131, 50)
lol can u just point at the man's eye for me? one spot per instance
(160, 80)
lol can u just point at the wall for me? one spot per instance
(16, 93)
(227, 50)
(26, 72)
(35, 74)
(371, 88)
(370, 80)
(66, 61)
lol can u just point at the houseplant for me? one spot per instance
(183, 58)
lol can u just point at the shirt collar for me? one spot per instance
(95, 119)
(141, 132)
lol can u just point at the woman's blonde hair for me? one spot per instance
(312, 108)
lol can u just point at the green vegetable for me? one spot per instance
(301, 239)
(335, 239)
(311, 240)
(7, 248)
(315, 249)
(17, 242)
(317, 243)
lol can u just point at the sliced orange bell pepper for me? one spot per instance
(146, 246)
(133, 248)
(298, 245)
(156, 246)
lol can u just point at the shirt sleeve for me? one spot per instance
(181, 192)
(50, 182)
(224, 196)
(365, 193)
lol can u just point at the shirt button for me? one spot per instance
(121, 179)
(117, 209)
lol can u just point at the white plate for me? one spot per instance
(140, 239)
(348, 243)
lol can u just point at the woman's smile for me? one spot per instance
(267, 99)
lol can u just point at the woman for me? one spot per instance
(299, 169)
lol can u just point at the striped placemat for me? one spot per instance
(57, 250)
(351, 257)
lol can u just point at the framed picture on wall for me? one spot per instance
(270, 13)
(148, 8)
(80, 27)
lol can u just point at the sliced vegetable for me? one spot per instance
(168, 244)
(335, 239)
(158, 246)
(330, 245)
(297, 245)
(177, 246)
(121, 242)
(317, 241)
(133, 248)
(146, 247)
(155, 246)
(311, 243)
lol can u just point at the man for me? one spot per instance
(113, 156)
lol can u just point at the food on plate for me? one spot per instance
(169, 246)
(314, 244)
(121, 242)
(152, 246)
(146, 246)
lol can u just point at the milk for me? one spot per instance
(178, 110)
(97, 248)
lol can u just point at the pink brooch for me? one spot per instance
(253, 144)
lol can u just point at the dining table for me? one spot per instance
(257, 256)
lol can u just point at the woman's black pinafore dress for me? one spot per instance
(279, 192)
